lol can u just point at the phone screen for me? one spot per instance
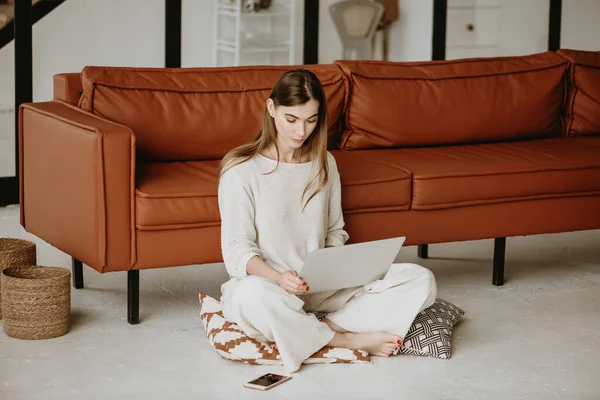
(267, 380)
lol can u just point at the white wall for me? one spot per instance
(499, 28)
(523, 27)
(79, 33)
(580, 25)
(196, 33)
(412, 34)
(92, 32)
(7, 113)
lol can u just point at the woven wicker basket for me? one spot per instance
(36, 301)
(15, 253)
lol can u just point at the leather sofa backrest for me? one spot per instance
(196, 113)
(395, 104)
(582, 114)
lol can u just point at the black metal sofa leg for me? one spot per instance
(499, 251)
(133, 297)
(423, 250)
(77, 272)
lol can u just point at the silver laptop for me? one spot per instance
(350, 265)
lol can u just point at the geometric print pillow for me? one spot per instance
(232, 343)
(431, 332)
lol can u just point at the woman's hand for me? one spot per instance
(292, 284)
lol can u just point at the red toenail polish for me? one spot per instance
(399, 341)
(307, 288)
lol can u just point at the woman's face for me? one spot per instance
(294, 124)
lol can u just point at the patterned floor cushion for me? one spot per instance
(430, 335)
(431, 332)
(232, 343)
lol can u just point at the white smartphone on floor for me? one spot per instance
(267, 381)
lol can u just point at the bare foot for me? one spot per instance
(376, 344)
(334, 327)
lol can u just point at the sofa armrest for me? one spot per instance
(77, 183)
(68, 87)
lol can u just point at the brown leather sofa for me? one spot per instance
(119, 170)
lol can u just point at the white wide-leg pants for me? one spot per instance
(268, 313)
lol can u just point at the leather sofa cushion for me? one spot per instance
(583, 108)
(174, 195)
(372, 185)
(196, 113)
(451, 102)
(469, 175)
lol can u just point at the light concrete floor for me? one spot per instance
(536, 337)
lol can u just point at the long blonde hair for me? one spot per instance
(293, 88)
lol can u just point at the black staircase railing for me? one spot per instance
(23, 66)
(554, 23)
(172, 33)
(19, 29)
(438, 36)
(311, 32)
(38, 11)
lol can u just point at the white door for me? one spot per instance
(489, 28)
(580, 25)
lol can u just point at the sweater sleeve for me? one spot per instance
(238, 233)
(336, 235)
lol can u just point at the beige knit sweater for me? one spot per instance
(262, 214)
